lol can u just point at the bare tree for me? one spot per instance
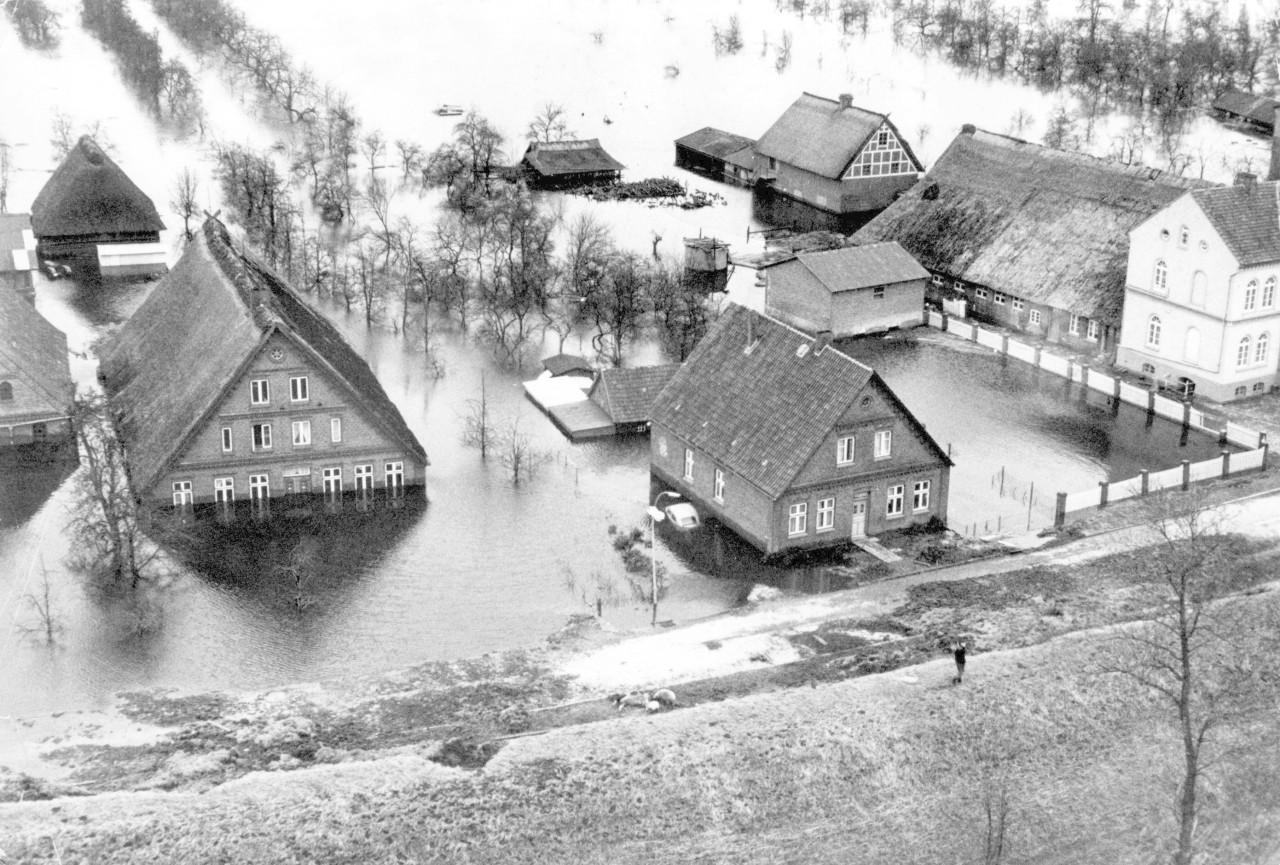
(374, 146)
(297, 569)
(184, 200)
(617, 303)
(477, 423)
(550, 125)
(36, 23)
(517, 451)
(596, 591)
(48, 624)
(410, 158)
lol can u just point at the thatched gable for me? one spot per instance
(823, 135)
(171, 364)
(89, 196)
(561, 158)
(36, 349)
(1037, 223)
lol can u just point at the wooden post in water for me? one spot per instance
(1103, 488)
(1226, 463)
(1060, 511)
(1186, 475)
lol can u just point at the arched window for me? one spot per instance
(1251, 295)
(1191, 347)
(1153, 332)
(1260, 353)
(1242, 352)
(1199, 288)
(1161, 281)
(6, 390)
(1269, 293)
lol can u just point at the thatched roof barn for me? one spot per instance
(558, 164)
(89, 198)
(823, 135)
(1031, 222)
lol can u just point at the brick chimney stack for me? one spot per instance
(1273, 173)
(846, 100)
(1246, 182)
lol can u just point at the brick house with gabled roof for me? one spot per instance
(91, 216)
(35, 376)
(226, 385)
(791, 443)
(835, 156)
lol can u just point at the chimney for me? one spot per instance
(1246, 181)
(821, 340)
(846, 100)
(1273, 173)
(968, 129)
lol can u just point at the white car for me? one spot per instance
(683, 516)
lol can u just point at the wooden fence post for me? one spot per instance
(1004, 343)
(1060, 511)
(1103, 488)
(1226, 463)
(1146, 481)
(1266, 449)
(1084, 375)
(1186, 475)
(1037, 358)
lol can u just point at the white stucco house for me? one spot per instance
(1201, 301)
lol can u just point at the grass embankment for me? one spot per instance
(900, 766)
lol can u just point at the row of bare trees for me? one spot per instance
(37, 25)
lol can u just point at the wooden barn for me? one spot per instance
(708, 151)
(791, 443)
(91, 217)
(1033, 238)
(228, 386)
(562, 164)
(836, 157)
(1257, 112)
(17, 254)
(36, 389)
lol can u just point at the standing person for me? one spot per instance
(957, 649)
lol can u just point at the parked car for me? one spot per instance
(683, 516)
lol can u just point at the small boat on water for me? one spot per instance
(447, 110)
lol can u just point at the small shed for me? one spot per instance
(705, 254)
(707, 151)
(562, 164)
(568, 364)
(1256, 111)
(17, 253)
(627, 395)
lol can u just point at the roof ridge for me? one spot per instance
(812, 340)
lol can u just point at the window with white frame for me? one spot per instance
(893, 501)
(262, 437)
(226, 440)
(1093, 331)
(826, 515)
(298, 389)
(688, 464)
(1184, 236)
(1259, 387)
(181, 493)
(938, 279)
(797, 518)
(301, 432)
(394, 474)
(1073, 327)
(1148, 369)
(1160, 280)
(980, 293)
(1153, 332)
(719, 490)
(1242, 352)
(259, 487)
(1034, 316)
(364, 477)
(335, 429)
(332, 480)
(1000, 298)
(1269, 293)
(884, 444)
(224, 489)
(1019, 304)
(259, 391)
(884, 154)
(1241, 390)
(920, 496)
(844, 450)
(1264, 345)
(1251, 295)
(877, 293)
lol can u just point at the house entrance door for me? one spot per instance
(297, 481)
(860, 517)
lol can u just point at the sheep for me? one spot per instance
(639, 700)
(664, 697)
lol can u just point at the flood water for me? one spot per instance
(481, 566)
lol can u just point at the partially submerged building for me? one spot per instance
(36, 390)
(709, 150)
(91, 218)
(17, 254)
(835, 156)
(227, 385)
(1256, 112)
(1032, 238)
(847, 292)
(791, 443)
(561, 164)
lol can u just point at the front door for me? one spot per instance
(299, 484)
(859, 517)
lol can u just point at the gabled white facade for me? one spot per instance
(1191, 311)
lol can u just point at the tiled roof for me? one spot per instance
(1246, 218)
(628, 394)
(1041, 224)
(562, 364)
(715, 142)
(88, 194)
(1259, 109)
(854, 267)
(14, 254)
(169, 366)
(760, 413)
(31, 344)
(816, 134)
(570, 157)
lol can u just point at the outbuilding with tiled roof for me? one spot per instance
(791, 443)
(227, 385)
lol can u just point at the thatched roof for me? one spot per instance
(1247, 218)
(14, 254)
(628, 394)
(88, 194)
(1259, 109)
(1041, 224)
(854, 267)
(715, 142)
(551, 159)
(762, 413)
(35, 348)
(823, 135)
(171, 364)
